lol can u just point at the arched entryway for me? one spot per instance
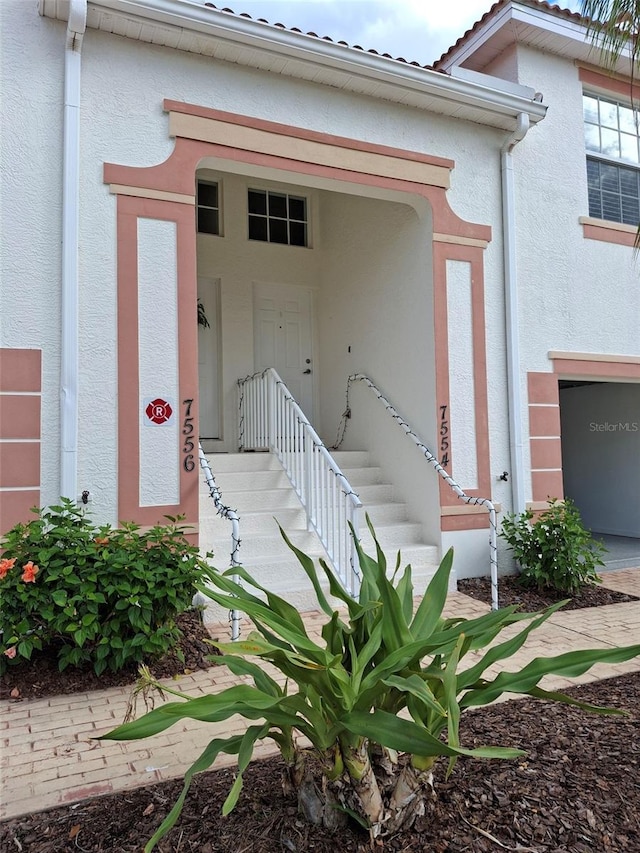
(361, 197)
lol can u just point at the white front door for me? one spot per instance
(209, 359)
(282, 337)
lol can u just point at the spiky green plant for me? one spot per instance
(374, 698)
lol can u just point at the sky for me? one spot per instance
(416, 30)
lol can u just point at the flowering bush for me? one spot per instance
(98, 594)
(556, 551)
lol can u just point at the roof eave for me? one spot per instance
(494, 102)
(569, 31)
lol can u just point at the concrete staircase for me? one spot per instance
(256, 486)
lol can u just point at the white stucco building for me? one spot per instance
(462, 234)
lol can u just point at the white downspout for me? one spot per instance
(76, 25)
(511, 314)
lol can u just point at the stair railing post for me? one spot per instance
(354, 579)
(269, 415)
(308, 485)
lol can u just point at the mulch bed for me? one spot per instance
(577, 791)
(40, 676)
(530, 600)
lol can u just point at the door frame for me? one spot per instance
(215, 322)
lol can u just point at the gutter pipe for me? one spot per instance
(514, 396)
(76, 26)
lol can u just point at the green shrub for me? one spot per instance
(385, 678)
(555, 551)
(101, 595)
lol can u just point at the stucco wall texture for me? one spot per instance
(369, 267)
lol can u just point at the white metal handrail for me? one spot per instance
(271, 419)
(232, 516)
(493, 524)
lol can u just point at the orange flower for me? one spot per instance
(29, 572)
(10, 653)
(5, 565)
(101, 540)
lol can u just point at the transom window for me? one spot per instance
(277, 217)
(612, 141)
(208, 207)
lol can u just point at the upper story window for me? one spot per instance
(277, 217)
(208, 207)
(612, 141)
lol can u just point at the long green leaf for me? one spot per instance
(404, 589)
(307, 564)
(279, 605)
(506, 649)
(395, 630)
(333, 633)
(479, 630)
(451, 699)
(245, 753)
(430, 608)
(259, 611)
(241, 666)
(570, 664)
(231, 746)
(554, 696)
(366, 654)
(338, 591)
(417, 687)
(240, 699)
(407, 736)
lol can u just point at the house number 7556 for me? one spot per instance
(188, 445)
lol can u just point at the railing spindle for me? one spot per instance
(271, 418)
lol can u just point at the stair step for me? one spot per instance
(351, 458)
(363, 476)
(247, 501)
(397, 535)
(222, 462)
(255, 485)
(256, 480)
(266, 521)
(378, 493)
(386, 513)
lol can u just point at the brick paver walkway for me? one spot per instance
(49, 757)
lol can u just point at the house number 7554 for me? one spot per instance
(188, 445)
(444, 436)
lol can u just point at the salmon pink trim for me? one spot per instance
(129, 209)
(16, 506)
(472, 521)
(544, 437)
(177, 175)
(544, 412)
(608, 234)
(20, 464)
(457, 240)
(442, 252)
(293, 132)
(20, 370)
(617, 85)
(20, 389)
(602, 370)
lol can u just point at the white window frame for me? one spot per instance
(627, 131)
